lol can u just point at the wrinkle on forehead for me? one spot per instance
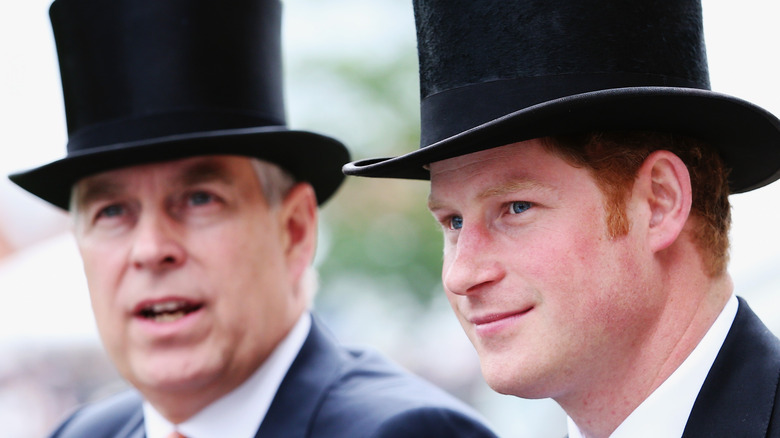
(192, 171)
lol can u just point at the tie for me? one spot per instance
(175, 434)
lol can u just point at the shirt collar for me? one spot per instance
(665, 412)
(228, 416)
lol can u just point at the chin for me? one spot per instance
(498, 375)
(173, 376)
(513, 380)
(517, 388)
(500, 382)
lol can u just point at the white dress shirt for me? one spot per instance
(665, 412)
(239, 413)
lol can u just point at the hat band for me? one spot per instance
(457, 110)
(162, 125)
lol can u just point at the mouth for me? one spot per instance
(166, 311)
(493, 319)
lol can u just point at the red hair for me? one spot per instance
(615, 158)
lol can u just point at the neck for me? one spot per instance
(178, 406)
(612, 394)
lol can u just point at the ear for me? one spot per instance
(298, 221)
(664, 187)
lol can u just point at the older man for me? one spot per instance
(195, 212)
(580, 169)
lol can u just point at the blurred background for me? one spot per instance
(351, 72)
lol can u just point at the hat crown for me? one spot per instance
(155, 80)
(495, 72)
(509, 55)
(141, 69)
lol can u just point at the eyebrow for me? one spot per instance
(94, 190)
(499, 190)
(512, 187)
(103, 187)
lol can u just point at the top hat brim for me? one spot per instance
(746, 136)
(308, 156)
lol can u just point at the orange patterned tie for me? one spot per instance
(176, 434)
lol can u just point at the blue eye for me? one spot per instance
(200, 198)
(456, 222)
(519, 207)
(111, 211)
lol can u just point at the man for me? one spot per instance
(580, 169)
(195, 212)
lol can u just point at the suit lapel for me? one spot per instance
(135, 427)
(299, 396)
(737, 398)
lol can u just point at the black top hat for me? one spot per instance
(153, 80)
(494, 72)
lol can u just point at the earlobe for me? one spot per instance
(668, 197)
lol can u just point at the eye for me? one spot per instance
(200, 198)
(108, 215)
(456, 222)
(113, 210)
(518, 207)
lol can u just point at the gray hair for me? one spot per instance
(276, 183)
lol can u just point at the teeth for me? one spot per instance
(168, 306)
(168, 311)
(168, 317)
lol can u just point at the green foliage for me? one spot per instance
(375, 229)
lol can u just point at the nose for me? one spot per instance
(471, 263)
(157, 246)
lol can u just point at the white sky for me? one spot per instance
(43, 281)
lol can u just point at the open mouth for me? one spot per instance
(168, 311)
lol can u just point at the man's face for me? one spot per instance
(189, 272)
(545, 296)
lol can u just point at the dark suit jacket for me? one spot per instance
(329, 391)
(739, 398)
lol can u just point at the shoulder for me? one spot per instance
(375, 397)
(740, 395)
(432, 421)
(115, 416)
(751, 344)
(331, 390)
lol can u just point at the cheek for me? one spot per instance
(247, 242)
(102, 282)
(551, 255)
(248, 279)
(103, 269)
(570, 265)
(446, 262)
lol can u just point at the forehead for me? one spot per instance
(185, 171)
(510, 155)
(523, 160)
(521, 168)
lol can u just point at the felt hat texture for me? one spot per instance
(495, 72)
(152, 80)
